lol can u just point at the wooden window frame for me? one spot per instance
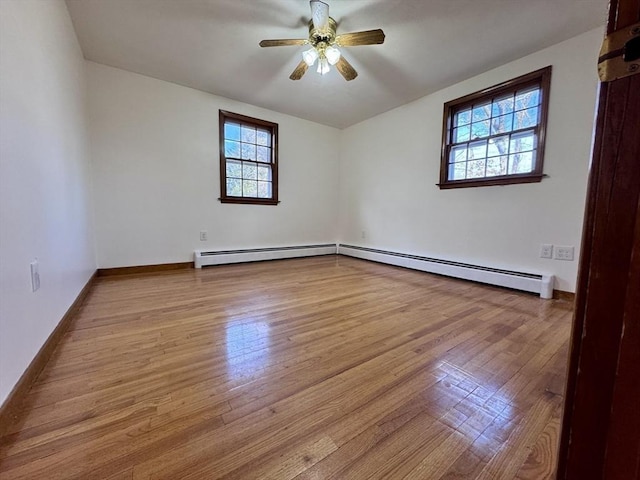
(540, 77)
(255, 122)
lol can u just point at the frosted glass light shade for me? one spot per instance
(332, 54)
(323, 66)
(310, 56)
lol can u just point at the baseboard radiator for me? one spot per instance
(204, 258)
(528, 282)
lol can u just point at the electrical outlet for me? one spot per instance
(564, 253)
(546, 250)
(35, 275)
(203, 236)
(363, 234)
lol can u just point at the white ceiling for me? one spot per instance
(212, 45)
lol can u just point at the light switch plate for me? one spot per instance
(35, 275)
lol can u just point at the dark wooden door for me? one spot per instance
(601, 426)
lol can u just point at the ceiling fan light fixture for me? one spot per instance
(323, 66)
(332, 54)
(310, 56)
(324, 43)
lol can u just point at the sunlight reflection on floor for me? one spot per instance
(485, 411)
(247, 346)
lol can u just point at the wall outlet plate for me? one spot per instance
(564, 253)
(35, 275)
(546, 250)
(203, 236)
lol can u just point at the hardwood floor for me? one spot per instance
(315, 368)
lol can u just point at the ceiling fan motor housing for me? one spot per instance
(326, 35)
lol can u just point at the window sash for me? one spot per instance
(509, 153)
(504, 100)
(238, 186)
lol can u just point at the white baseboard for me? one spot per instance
(204, 258)
(540, 283)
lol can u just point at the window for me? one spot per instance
(248, 160)
(496, 136)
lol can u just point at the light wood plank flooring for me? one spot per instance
(316, 368)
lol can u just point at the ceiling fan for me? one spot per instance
(324, 44)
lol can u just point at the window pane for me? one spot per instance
(244, 139)
(527, 162)
(522, 142)
(234, 187)
(234, 169)
(248, 134)
(264, 154)
(526, 118)
(264, 172)
(521, 162)
(498, 146)
(495, 134)
(475, 169)
(263, 137)
(502, 106)
(462, 118)
(497, 166)
(458, 154)
(249, 171)
(248, 151)
(231, 149)
(478, 150)
(461, 134)
(527, 98)
(502, 124)
(480, 129)
(458, 171)
(264, 189)
(249, 188)
(481, 112)
(232, 131)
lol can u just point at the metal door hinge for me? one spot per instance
(620, 54)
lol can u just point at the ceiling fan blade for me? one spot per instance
(319, 14)
(367, 37)
(299, 71)
(284, 42)
(346, 70)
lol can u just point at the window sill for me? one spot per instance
(489, 182)
(249, 200)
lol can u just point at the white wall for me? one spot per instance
(44, 178)
(390, 165)
(154, 148)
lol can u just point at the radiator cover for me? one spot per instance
(528, 282)
(204, 258)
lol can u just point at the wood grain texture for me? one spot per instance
(284, 42)
(562, 295)
(299, 71)
(601, 426)
(540, 463)
(346, 69)
(11, 409)
(162, 267)
(623, 460)
(322, 367)
(367, 37)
